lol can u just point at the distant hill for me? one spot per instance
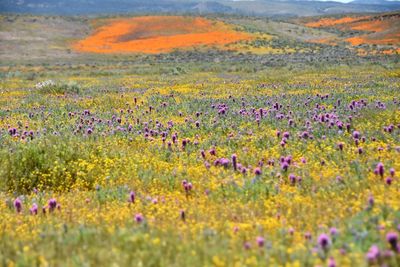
(374, 2)
(268, 8)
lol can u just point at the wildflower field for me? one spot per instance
(174, 161)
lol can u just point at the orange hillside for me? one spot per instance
(380, 29)
(157, 34)
(328, 22)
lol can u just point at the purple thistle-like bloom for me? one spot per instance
(292, 179)
(234, 161)
(333, 231)
(324, 241)
(223, 162)
(34, 209)
(373, 253)
(203, 154)
(132, 197)
(257, 171)
(52, 204)
(340, 146)
(18, 205)
(380, 169)
(392, 172)
(392, 238)
(260, 241)
(139, 218)
(356, 134)
(247, 245)
(331, 262)
(371, 201)
(286, 135)
(212, 151)
(284, 166)
(187, 186)
(389, 180)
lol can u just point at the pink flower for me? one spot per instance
(392, 238)
(139, 218)
(331, 262)
(260, 241)
(324, 241)
(373, 253)
(34, 209)
(257, 171)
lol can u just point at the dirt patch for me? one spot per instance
(158, 34)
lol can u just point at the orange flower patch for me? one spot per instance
(328, 22)
(159, 34)
(378, 30)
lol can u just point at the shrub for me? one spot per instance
(44, 164)
(51, 87)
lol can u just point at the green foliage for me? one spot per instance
(49, 163)
(50, 87)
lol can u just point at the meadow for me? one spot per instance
(177, 160)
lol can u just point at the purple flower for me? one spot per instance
(139, 218)
(187, 186)
(371, 201)
(373, 253)
(18, 205)
(292, 179)
(340, 146)
(234, 161)
(34, 209)
(52, 204)
(333, 231)
(389, 180)
(212, 151)
(257, 171)
(380, 169)
(391, 172)
(284, 166)
(356, 134)
(331, 262)
(132, 197)
(392, 238)
(260, 241)
(324, 241)
(286, 135)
